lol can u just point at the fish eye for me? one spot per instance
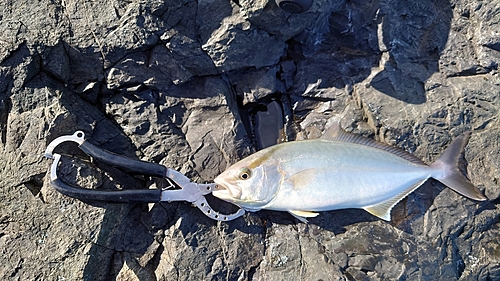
(245, 174)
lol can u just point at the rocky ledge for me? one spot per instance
(196, 86)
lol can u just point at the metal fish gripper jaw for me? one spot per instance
(189, 191)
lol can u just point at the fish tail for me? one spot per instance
(451, 176)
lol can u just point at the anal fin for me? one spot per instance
(383, 209)
(302, 215)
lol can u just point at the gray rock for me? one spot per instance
(268, 16)
(257, 85)
(187, 51)
(195, 85)
(235, 45)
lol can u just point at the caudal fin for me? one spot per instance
(452, 177)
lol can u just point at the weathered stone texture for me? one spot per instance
(186, 84)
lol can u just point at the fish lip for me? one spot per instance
(223, 191)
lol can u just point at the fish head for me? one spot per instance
(250, 183)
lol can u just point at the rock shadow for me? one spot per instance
(414, 34)
(402, 38)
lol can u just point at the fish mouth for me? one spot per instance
(223, 191)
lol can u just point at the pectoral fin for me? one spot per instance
(303, 178)
(383, 209)
(302, 215)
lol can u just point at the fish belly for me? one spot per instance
(325, 175)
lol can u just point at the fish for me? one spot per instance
(339, 170)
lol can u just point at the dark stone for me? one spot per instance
(195, 85)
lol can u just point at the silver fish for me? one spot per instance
(338, 171)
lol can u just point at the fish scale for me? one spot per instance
(373, 174)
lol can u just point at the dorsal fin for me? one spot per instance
(336, 133)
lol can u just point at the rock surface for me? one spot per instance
(182, 83)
